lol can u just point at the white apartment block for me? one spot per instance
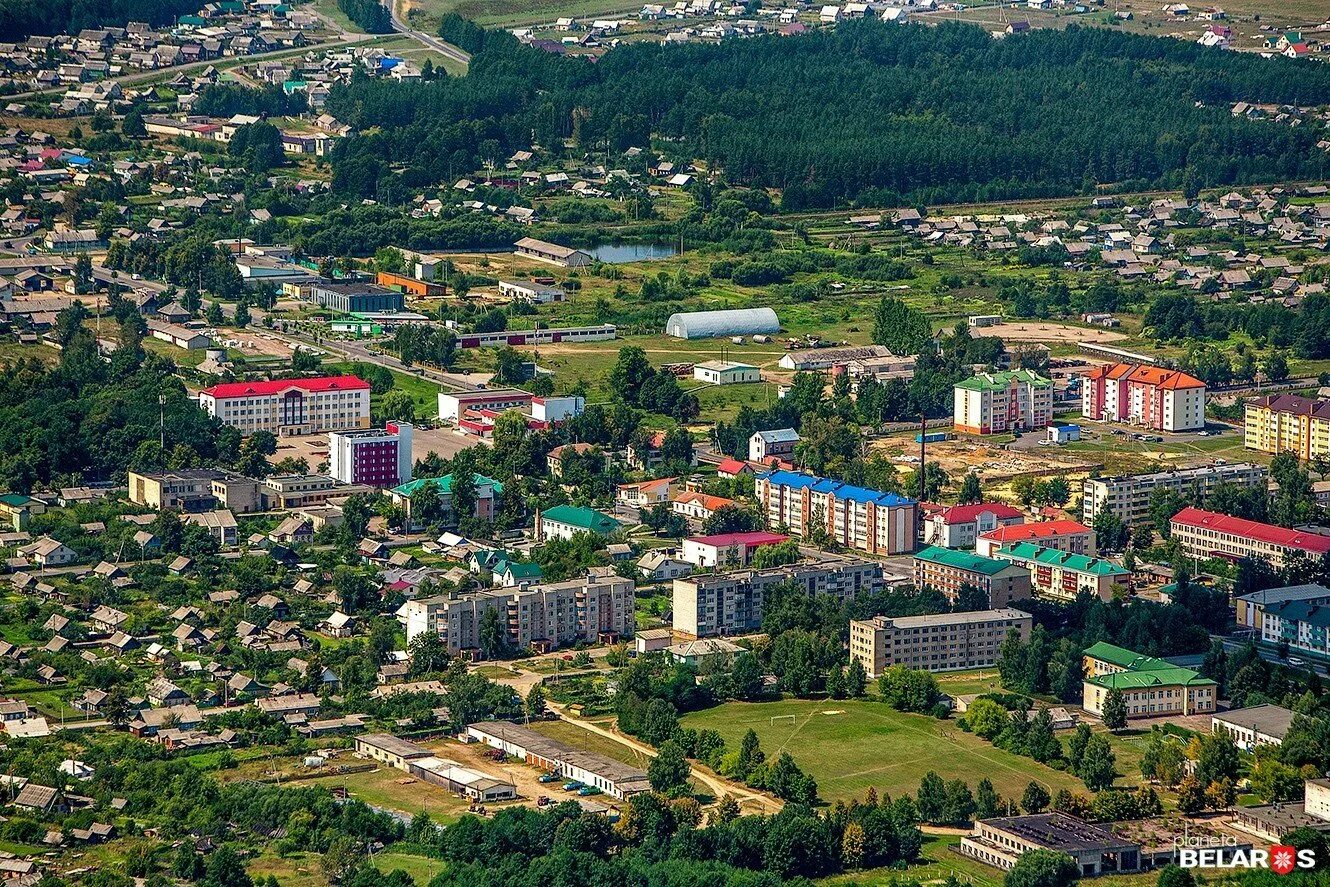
(1128, 495)
(945, 642)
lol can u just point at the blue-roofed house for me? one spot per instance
(872, 521)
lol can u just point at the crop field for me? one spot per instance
(850, 746)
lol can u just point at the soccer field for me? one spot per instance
(849, 746)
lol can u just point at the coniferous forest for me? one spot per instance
(870, 112)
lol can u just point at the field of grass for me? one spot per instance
(850, 746)
(593, 742)
(391, 789)
(509, 13)
(296, 870)
(422, 869)
(424, 394)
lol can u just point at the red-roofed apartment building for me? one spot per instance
(1165, 400)
(1070, 536)
(290, 406)
(1207, 534)
(960, 526)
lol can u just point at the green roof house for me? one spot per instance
(488, 493)
(562, 521)
(1150, 687)
(1063, 575)
(999, 403)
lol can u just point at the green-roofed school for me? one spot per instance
(1151, 687)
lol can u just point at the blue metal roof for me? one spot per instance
(798, 480)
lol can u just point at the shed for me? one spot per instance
(731, 322)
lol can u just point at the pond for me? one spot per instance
(631, 252)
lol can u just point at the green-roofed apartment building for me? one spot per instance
(998, 403)
(1151, 687)
(488, 493)
(563, 521)
(1062, 575)
(946, 570)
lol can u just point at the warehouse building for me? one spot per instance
(1096, 850)
(720, 324)
(552, 253)
(420, 762)
(614, 778)
(356, 298)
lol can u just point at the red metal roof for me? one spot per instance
(731, 466)
(1197, 517)
(1040, 530)
(323, 383)
(965, 514)
(724, 540)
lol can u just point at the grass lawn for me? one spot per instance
(422, 869)
(585, 739)
(391, 789)
(424, 394)
(850, 746)
(296, 870)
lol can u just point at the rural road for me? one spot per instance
(434, 43)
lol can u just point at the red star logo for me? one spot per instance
(1283, 858)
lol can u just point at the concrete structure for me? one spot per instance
(454, 404)
(1304, 625)
(727, 549)
(390, 750)
(422, 763)
(356, 298)
(534, 293)
(1128, 495)
(377, 458)
(290, 406)
(1061, 535)
(291, 492)
(1206, 534)
(1095, 850)
(198, 489)
(858, 518)
(1061, 434)
(1255, 726)
(551, 253)
(946, 570)
(945, 642)
(995, 403)
(706, 605)
(813, 359)
(596, 608)
(960, 526)
(1251, 607)
(557, 408)
(563, 521)
(1062, 575)
(1157, 398)
(179, 336)
(722, 324)
(1150, 687)
(776, 444)
(616, 779)
(489, 493)
(725, 372)
(602, 332)
(1288, 423)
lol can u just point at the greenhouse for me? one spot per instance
(733, 322)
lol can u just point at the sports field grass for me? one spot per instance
(850, 746)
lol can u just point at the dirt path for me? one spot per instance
(719, 786)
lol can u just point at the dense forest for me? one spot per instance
(371, 15)
(22, 18)
(871, 112)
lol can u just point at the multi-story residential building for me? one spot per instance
(731, 603)
(195, 490)
(1128, 495)
(960, 526)
(946, 570)
(1063, 535)
(489, 495)
(1304, 625)
(1251, 607)
(1158, 398)
(1063, 575)
(376, 457)
(290, 406)
(1206, 534)
(1288, 423)
(1151, 687)
(862, 519)
(356, 298)
(945, 642)
(593, 609)
(993, 403)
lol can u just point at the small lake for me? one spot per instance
(615, 253)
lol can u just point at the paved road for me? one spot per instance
(1232, 645)
(434, 43)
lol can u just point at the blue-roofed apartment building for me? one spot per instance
(865, 520)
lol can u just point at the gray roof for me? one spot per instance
(1058, 831)
(1287, 593)
(402, 748)
(731, 322)
(1268, 720)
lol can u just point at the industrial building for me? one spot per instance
(420, 762)
(722, 324)
(614, 778)
(601, 332)
(356, 298)
(1128, 495)
(731, 603)
(858, 518)
(778, 444)
(945, 642)
(551, 253)
(534, 293)
(726, 372)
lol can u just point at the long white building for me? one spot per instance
(1128, 495)
(290, 406)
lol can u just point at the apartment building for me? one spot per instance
(195, 490)
(945, 642)
(959, 526)
(731, 603)
(593, 609)
(1251, 607)
(1288, 423)
(865, 520)
(946, 570)
(1151, 687)
(372, 456)
(1128, 495)
(290, 406)
(1062, 575)
(1207, 534)
(1157, 398)
(1304, 625)
(994, 403)
(1061, 535)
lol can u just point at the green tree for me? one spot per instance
(1042, 868)
(971, 492)
(1035, 798)
(1098, 766)
(1115, 710)
(669, 770)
